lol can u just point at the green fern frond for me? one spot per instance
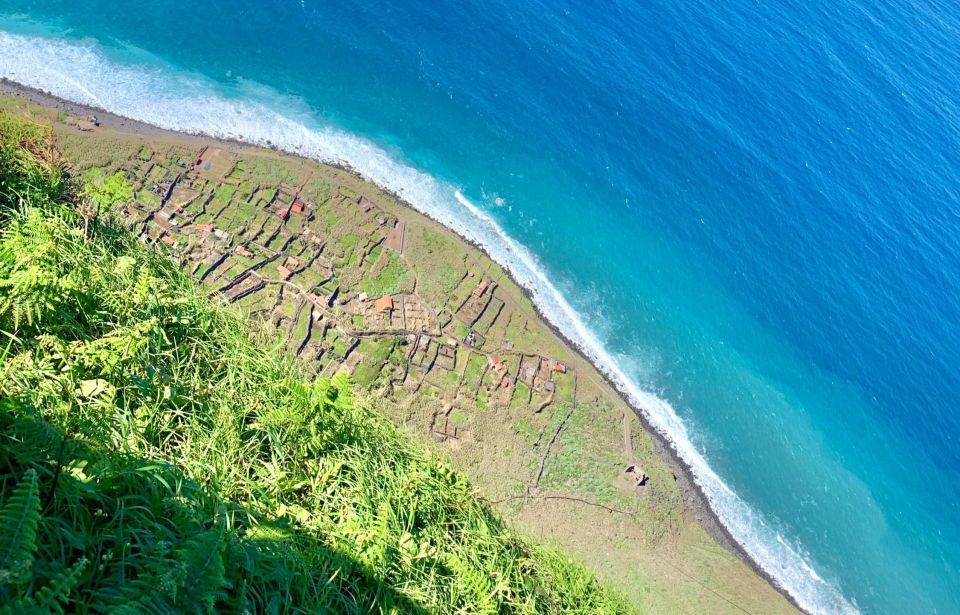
(190, 581)
(203, 559)
(18, 529)
(50, 597)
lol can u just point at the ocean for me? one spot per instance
(747, 214)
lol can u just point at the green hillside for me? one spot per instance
(155, 456)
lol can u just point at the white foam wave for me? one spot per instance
(171, 99)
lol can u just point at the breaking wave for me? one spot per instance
(161, 95)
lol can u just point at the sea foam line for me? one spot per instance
(167, 98)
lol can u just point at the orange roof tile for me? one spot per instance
(384, 304)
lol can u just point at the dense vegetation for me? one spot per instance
(157, 457)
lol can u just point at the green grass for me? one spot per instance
(439, 264)
(374, 254)
(158, 457)
(390, 279)
(223, 193)
(365, 374)
(471, 375)
(521, 393)
(458, 419)
(347, 243)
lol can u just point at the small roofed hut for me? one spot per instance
(384, 305)
(635, 472)
(284, 272)
(498, 367)
(481, 288)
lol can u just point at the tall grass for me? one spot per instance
(157, 457)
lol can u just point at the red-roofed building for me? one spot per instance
(204, 228)
(297, 207)
(384, 304)
(554, 366)
(282, 212)
(284, 272)
(242, 251)
(481, 288)
(292, 262)
(168, 240)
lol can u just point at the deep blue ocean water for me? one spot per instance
(747, 213)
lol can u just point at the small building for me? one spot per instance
(297, 207)
(553, 366)
(284, 272)
(635, 472)
(481, 288)
(220, 234)
(384, 304)
(362, 297)
(204, 228)
(292, 262)
(168, 240)
(242, 251)
(282, 212)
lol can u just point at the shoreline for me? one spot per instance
(696, 503)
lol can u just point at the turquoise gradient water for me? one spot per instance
(746, 213)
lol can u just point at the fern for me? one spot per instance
(49, 598)
(18, 530)
(203, 561)
(191, 582)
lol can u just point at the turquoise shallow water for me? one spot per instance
(747, 215)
